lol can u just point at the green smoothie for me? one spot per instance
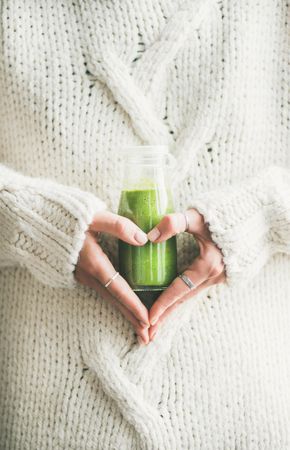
(151, 267)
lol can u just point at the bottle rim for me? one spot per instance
(149, 155)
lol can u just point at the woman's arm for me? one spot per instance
(249, 221)
(43, 225)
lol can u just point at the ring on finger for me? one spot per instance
(116, 274)
(186, 220)
(187, 281)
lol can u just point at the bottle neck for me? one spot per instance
(145, 159)
(146, 167)
(140, 176)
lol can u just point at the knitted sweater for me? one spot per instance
(77, 81)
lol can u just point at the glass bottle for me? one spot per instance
(145, 198)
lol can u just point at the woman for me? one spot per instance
(78, 81)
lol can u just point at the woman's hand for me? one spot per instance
(207, 269)
(94, 268)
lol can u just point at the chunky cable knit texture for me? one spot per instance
(77, 81)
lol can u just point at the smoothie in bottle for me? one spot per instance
(145, 198)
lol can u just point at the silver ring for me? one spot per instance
(186, 220)
(111, 279)
(187, 281)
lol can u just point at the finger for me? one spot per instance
(197, 272)
(211, 256)
(97, 264)
(154, 328)
(84, 278)
(169, 226)
(141, 330)
(120, 227)
(175, 223)
(208, 265)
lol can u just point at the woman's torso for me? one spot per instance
(70, 363)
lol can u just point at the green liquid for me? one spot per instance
(151, 267)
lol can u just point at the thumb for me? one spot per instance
(119, 226)
(175, 223)
(169, 226)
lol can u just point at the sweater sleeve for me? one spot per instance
(43, 225)
(249, 221)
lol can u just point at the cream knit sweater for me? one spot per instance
(78, 80)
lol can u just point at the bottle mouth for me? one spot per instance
(145, 150)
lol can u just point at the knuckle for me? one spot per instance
(93, 266)
(211, 251)
(216, 268)
(208, 251)
(121, 225)
(139, 330)
(169, 222)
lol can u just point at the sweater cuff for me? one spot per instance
(45, 227)
(240, 218)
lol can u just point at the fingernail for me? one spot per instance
(144, 324)
(141, 237)
(153, 234)
(154, 320)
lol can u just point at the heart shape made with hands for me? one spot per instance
(94, 268)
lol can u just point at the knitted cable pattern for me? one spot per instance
(77, 81)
